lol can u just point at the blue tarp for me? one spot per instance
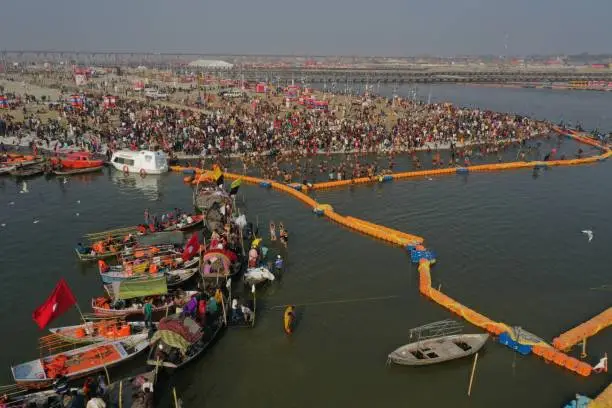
(507, 341)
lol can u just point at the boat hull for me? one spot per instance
(32, 375)
(438, 350)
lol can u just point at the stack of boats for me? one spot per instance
(140, 268)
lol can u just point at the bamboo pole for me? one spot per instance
(223, 308)
(176, 405)
(254, 306)
(120, 393)
(469, 392)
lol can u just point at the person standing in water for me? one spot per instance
(272, 231)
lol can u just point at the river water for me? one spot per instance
(509, 245)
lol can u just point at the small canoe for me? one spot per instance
(438, 350)
(79, 362)
(289, 319)
(184, 225)
(179, 276)
(95, 332)
(69, 172)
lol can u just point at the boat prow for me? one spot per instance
(438, 350)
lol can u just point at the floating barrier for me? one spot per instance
(603, 400)
(424, 258)
(320, 209)
(587, 329)
(409, 238)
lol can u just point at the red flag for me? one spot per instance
(60, 300)
(191, 248)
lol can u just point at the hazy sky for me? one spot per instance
(313, 27)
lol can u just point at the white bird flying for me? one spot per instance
(36, 221)
(3, 225)
(12, 203)
(589, 234)
(65, 180)
(78, 201)
(24, 188)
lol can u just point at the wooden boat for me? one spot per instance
(185, 225)
(27, 171)
(127, 299)
(79, 362)
(14, 161)
(179, 276)
(21, 398)
(437, 350)
(117, 273)
(129, 392)
(97, 256)
(176, 344)
(98, 331)
(77, 171)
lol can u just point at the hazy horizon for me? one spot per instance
(360, 28)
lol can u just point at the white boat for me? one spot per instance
(142, 162)
(78, 362)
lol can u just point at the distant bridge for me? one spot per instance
(374, 74)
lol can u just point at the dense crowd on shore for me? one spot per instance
(254, 131)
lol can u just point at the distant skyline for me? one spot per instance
(313, 27)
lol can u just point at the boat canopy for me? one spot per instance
(161, 238)
(129, 289)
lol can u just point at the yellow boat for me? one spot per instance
(288, 319)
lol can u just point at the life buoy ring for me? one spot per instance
(143, 173)
(126, 169)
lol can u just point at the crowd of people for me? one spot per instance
(261, 128)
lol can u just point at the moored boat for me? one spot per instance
(77, 160)
(98, 331)
(142, 162)
(147, 269)
(438, 350)
(78, 362)
(126, 298)
(70, 172)
(27, 170)
(180, 340)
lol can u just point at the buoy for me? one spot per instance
(288, 319)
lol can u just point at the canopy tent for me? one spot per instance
(129, 289)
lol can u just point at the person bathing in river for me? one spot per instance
(284, 235)
(272, 231)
